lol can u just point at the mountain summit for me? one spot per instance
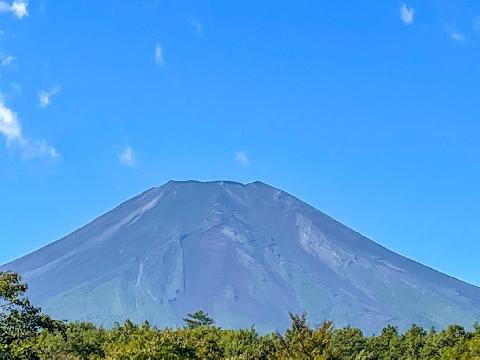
(246, 254)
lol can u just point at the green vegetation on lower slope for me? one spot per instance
(26, 333)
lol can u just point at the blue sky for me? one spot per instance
(367, 110)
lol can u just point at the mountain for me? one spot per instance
(246, 254)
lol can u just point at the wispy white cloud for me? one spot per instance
(44, 97)
(159, 56)
(11, 129)
(241, 158)
(197, 25)
(19, 8)
(38, 148)
(127, 157)
(9, 124)
(7, 60)
(407, 14)
(458, 36)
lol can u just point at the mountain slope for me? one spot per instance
(247, 254)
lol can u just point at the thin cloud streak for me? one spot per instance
(11, 129)
(242, 159)
(19, 8)
(159, 56)
(457, 36)
(9, 124)
(7, 60)
(44, 97)
(127, 157)
(406, 14)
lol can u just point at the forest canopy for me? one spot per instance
(27, 333)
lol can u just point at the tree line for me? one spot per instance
(27, 333)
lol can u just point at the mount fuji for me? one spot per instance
(245, 253)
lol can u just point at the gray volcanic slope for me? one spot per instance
(247, 254)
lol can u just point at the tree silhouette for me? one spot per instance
(197, 319)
